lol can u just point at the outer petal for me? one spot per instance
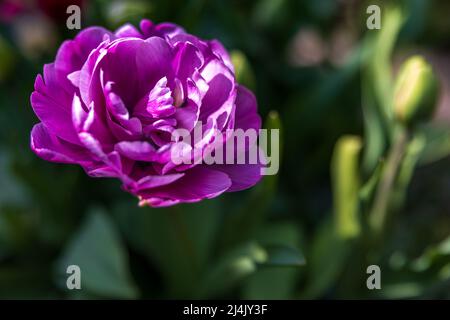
(73, 53)
(51, 148)
(246, 115)
(218, 49)
(52, 105)
(154, 181)
(163, 30)
(198, 183)
(243, 176)
(127, 30)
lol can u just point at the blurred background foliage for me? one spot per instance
(360, 182)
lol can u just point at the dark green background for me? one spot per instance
(273, 241)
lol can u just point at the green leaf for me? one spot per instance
(29, 280)
(377, 86)
(273, 282)
(374, 131)
(16, 229)
(326, 260)
(243, 261)
(431, 255)
(179, 240)
(381, 68)
(12, 190)
(403, 290)
(437, 145)
(99, 252)
(283, 256)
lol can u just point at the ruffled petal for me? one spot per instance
(142, 151)
(127, 30)
(52, 105)
(163, 30)
(243, 176)
(246, 115)
(187, 58)
(49, 147)
(73, 53)
(198, 183)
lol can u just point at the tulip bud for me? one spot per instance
(242, 69)
(415, 92)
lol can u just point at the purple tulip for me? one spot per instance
(111, 101)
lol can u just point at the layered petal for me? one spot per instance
(51, 148)
(112, 102)
(198, 183)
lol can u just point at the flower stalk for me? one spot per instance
(380, 208)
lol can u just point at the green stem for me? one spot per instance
(384, 190)
(182, 233)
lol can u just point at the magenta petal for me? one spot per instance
(160, 101)
(219, 50)
(243, 176)
(216, 67)
(93, 145)
(219, 98)
(198, 183)
(141, 151)
(127, 30)
(51, 148)
(114, 103)
(151, 57)
(246, 115)
(87, 71)
(152, 181)
(158, 202)
(136, 150)
(187, 59)
(89, 121)
(187, 116)
(53, 111)
(163, 30)
(73, 53)
(79, 115)
(167, 29)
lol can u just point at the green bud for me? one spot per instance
(416, 91)
(346, 186)
(242, 69)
